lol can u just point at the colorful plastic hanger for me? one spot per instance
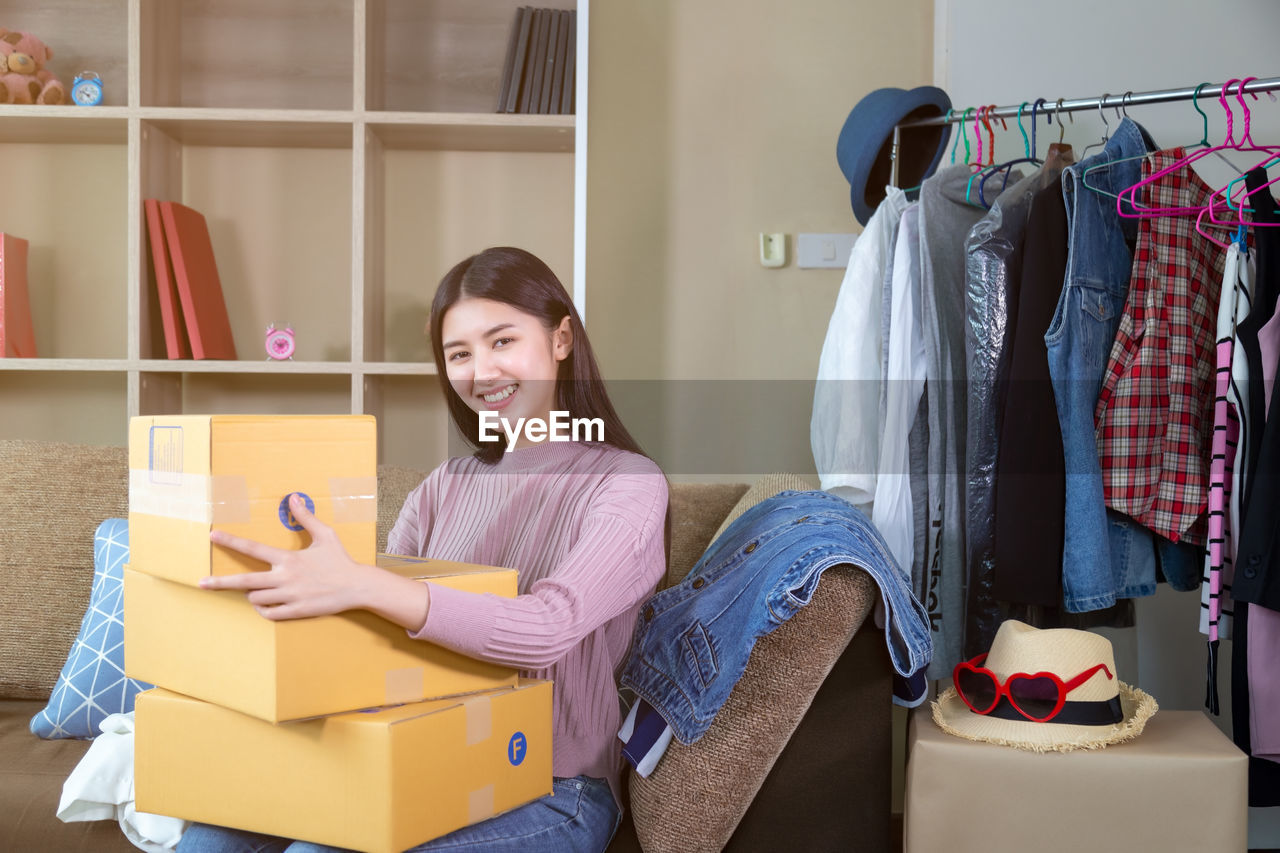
(1027, 147)
(1129, 194)
(963, 116)
(1228, 193)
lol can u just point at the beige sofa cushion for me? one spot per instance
(696, 509)
(394, 485)
(698, 793)
(46, 558)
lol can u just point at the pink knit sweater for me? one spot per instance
(583, 525)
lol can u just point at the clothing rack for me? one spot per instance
(1128, 99)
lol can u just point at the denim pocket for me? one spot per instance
(1096, 302)
(701, 653)
(566, 796)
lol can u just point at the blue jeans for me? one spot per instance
(693, 639)
(579, 815)
(1136, 553)
(1078, 343)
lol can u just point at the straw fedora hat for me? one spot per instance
(1071, 670)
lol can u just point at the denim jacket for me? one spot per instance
(692, 640)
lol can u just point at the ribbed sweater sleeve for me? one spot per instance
(599, 578)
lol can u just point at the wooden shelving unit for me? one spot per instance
(345, 154)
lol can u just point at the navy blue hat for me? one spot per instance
(867, 137)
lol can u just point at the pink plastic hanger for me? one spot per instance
(1126, 201)
(1237, 221)
(977, 136)
(1240, 207)
(1202, 228)
(1226, 198)
(984, 116)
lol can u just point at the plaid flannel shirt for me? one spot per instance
(1154, 416)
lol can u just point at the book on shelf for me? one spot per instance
(17, 336)
(538, 70)
(532, 91)
(513, 68)
(571, 61)
(175, 334)
(549, 65)
(552, 104)
(199, 290)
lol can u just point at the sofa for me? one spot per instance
(799, 757)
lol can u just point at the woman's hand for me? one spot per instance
(318, 580)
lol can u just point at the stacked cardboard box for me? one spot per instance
(252, 726)
(966, 796)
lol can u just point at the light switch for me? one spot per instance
(824, 251)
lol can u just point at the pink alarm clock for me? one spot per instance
(280, 344)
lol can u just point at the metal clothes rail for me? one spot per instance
(1067, 105)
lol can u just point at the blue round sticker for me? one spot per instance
(286, 516)
(516, 749)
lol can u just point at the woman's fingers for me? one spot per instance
(267, 596)
(248, 547)
(267, 553)
(246, 581)
(280, 612)
(313, 581)
(306, 518)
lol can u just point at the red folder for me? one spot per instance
(175, 336)
(199, 289)
(17, 338)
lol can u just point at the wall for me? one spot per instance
(712, 121)
(1006, 52)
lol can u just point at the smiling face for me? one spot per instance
(498, 358)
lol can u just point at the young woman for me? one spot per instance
(583, 522)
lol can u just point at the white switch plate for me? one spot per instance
(773, 250)
(824, 251)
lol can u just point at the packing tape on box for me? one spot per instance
(224, 498)
(202, 498)
(403, 685)
(355, 499)
(230, 500)
(480, 804)
(479, 719)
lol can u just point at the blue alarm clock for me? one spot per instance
(86, 90)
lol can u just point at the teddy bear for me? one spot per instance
(23, 78)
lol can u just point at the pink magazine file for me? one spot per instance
(17, 337)
(175, 336)
(199, 289)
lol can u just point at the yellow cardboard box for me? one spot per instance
(213, 645)
(377, 781)
(190, 474)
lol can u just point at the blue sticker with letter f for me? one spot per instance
(516, 749)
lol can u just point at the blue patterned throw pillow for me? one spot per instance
(92, 684)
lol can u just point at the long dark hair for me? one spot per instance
(519, 279)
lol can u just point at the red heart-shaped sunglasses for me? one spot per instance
(1037, 696)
